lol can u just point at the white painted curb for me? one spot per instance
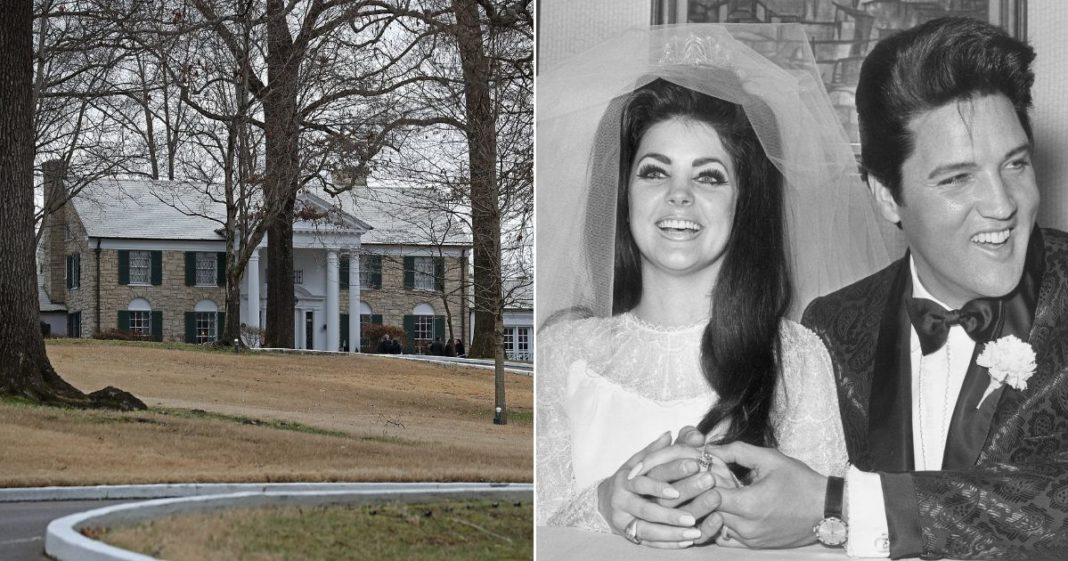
(64, 541)
(166, 490)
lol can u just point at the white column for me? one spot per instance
(354, 302)
(252, 271)
(298, 328)
(332, 311)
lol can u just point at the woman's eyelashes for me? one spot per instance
(651, 171)
(708, 175)
(711, 176)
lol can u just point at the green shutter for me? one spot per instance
(190, 268)
(344, 339)
(157, 326)
(190, 324)
(124, 320)
(78, 270)
(439, 326)
(124, 269)
(439, 274)
(409, 272)
(376, 319)
(343, 272)
(220, 324)
(220, 268)
(409, 332)
(70, 271)
(375, 262)
(157, 268)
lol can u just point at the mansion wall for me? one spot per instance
(393, 301)
(172, 297)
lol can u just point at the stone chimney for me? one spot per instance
(55, 230)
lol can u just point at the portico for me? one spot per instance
(320, 244)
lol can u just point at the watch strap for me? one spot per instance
(833, 500)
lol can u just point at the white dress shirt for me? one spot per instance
(936, 382)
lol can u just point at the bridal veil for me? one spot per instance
(768, 69)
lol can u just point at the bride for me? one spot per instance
(715, 169)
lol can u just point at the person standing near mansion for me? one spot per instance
(951, 363)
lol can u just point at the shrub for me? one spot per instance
(372, 334)
(120, 335)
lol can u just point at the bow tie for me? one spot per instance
(932, 322)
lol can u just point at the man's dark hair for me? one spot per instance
(926, 67)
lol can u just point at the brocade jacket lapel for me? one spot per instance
(1034, 422)
(850, 322)
(890, 410)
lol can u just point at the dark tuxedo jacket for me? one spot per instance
(1012, 501)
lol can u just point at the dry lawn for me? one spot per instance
(468, 530)
(270, 417)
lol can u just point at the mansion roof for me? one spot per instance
(175, 210)
(148, 209)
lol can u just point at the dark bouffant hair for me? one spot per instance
(926, 67)
(740, 345)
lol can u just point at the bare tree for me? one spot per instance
(76, 60)
(25, 370)
(491, 105)
(313, 99)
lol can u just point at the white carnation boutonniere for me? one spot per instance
(1009, 361)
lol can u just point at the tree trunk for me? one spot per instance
(283, 166)
(482, 156)
(25, 370)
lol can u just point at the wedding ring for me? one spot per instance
(725, 534)
(705, 463)
(631, 532)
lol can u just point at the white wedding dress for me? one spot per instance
(607, 387)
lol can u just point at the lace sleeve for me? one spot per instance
(806, 416)
(559, 503)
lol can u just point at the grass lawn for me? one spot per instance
(217, 416)
(472, 530)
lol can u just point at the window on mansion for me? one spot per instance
(205, 268)
(422, 326)
(204, 324)
(141, 322)
(424, 273)
(140, 267)
(139, 319)
(74, 270)
(371, 271)
(207, 272)
(517, 343)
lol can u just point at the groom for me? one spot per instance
(947, 460)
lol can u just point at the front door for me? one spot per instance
(309, 329)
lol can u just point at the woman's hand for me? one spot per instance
(698, 482)
(628, 499)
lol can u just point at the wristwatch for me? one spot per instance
(832, 531)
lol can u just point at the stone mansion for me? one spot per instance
(148, 257)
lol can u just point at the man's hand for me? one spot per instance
(686, 477)
(778, 509)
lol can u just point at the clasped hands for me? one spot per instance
(662, 497)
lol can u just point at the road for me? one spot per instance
(22, 525)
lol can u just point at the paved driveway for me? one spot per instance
(22, 525)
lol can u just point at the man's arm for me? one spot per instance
(998, 511)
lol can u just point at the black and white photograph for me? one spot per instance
(800, 284)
